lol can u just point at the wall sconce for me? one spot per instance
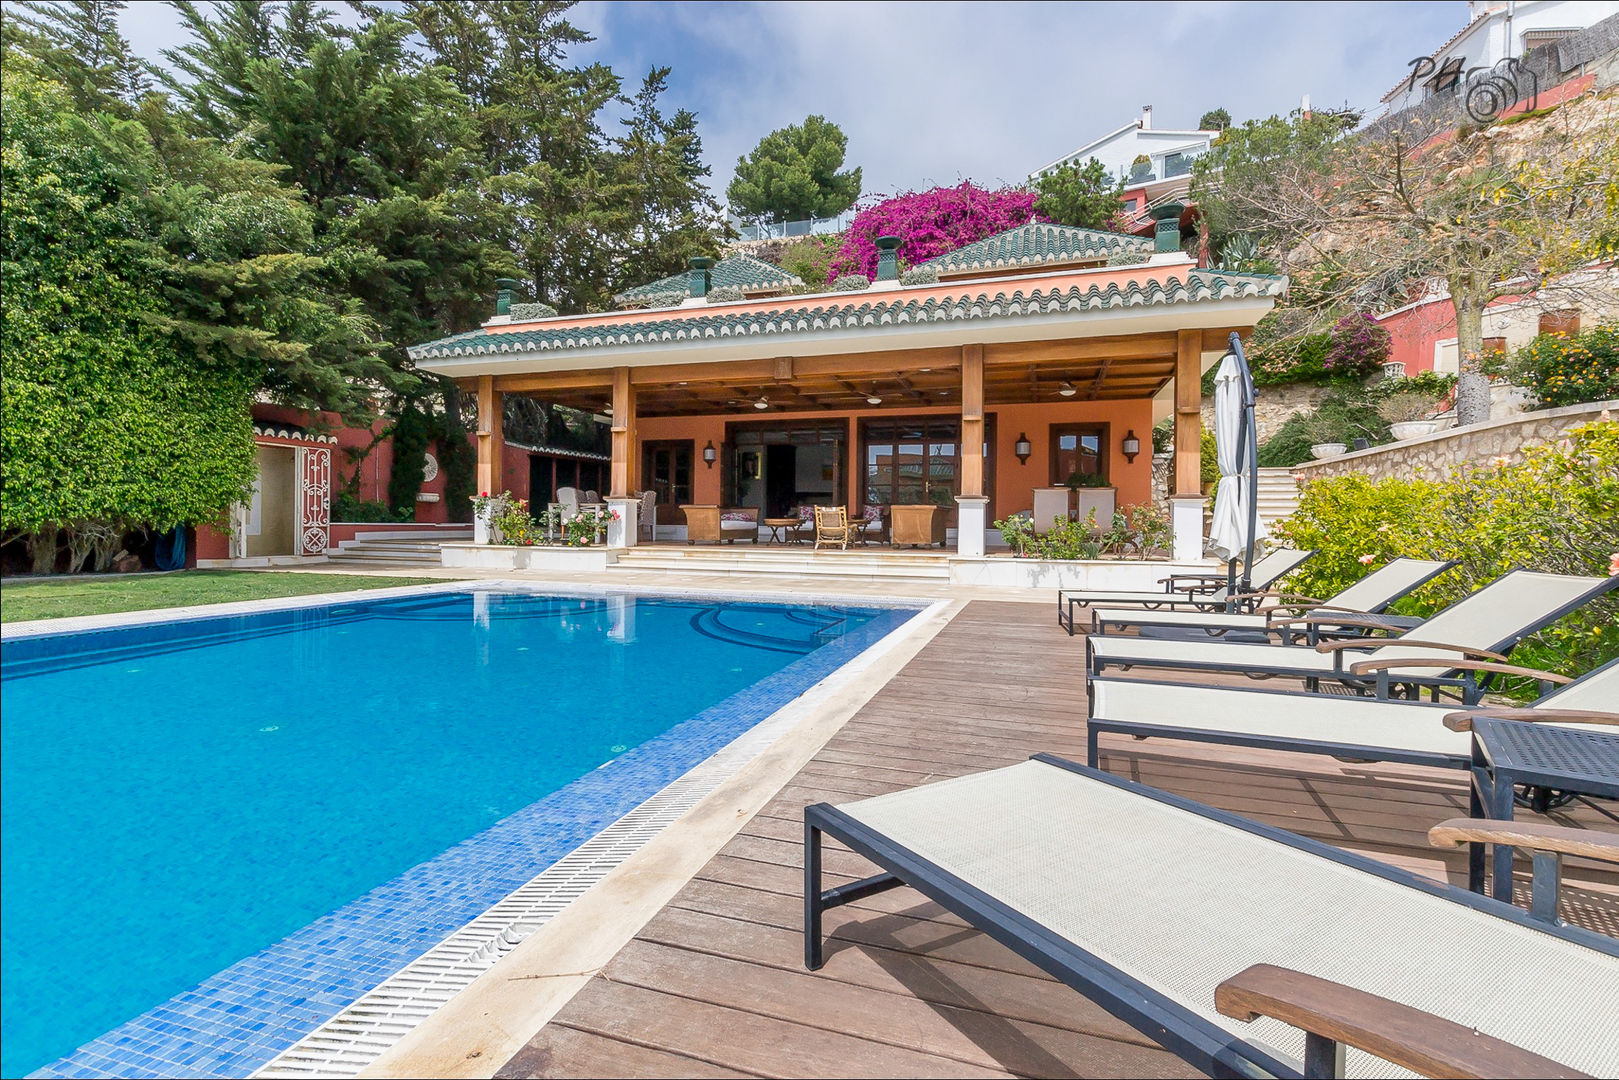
(1022, 449)
(710, 454)
(1131, 446)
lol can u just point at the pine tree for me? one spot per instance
(78, 43)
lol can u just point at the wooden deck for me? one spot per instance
(715, 985)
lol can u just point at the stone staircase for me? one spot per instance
(864, 564)
(1278, 495)
(395, 553)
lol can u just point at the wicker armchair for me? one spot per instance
(831, 527)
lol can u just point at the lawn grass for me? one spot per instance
(25, 599)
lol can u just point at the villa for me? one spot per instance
(985, 376)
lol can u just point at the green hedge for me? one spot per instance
(1553, 512)
(1339, 418)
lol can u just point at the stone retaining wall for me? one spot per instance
(1477, 443)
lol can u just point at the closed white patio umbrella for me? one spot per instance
(1236, 527)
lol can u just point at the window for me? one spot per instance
(1077, 448)
(666, 469)
(912, 461)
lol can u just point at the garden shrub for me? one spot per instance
(1564, 370)
(725, 294)
(346, 506)
(411, 434)
(1357, 346)
(931, 223)
(1339, 418)
(1553, 512)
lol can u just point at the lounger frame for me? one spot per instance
(1146, 729)
(1198, 1041)
(1210, 598)
(1215, 630)
(1467, 686)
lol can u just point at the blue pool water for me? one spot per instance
(179, 796)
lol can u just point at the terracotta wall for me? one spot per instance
(1014, 483)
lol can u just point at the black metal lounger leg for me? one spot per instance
(813, 957)
(1323, 1057)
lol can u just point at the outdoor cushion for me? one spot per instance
(873, 513)
(737, 515)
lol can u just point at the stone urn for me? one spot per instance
(1411, 429)
(1327, 449)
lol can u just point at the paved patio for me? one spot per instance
(714, 985)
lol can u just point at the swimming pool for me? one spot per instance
(285, 799)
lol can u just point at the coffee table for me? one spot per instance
(778, 529)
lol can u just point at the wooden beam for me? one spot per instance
(972, 420)
(1188, 411)
(1101, 377)
(540, 382)
(1134, 347)
(623, 466)
(491, 436)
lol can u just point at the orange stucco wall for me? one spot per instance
(1014, 483)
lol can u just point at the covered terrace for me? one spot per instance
(1040, 355)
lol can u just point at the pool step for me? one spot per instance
(794, 562)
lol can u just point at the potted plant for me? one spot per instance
(1092, 495)
(1140, 169)
(1408, 414)
(1324, 436)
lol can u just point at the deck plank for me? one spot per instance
(714, 984)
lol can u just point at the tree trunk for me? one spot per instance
(1472, 389)
(42, 550)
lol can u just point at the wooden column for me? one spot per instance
(972, 420)
(1188, 411)
(491, 437)
(623, 470)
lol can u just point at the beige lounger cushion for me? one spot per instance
(1401, 725)
(1182, 903)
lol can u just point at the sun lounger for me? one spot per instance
(1198, 592)
(1287, 616)
(1413, 732)
(1481, 626)
(1149, 904)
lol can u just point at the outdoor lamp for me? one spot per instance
(762, 403)
(1131, 445)
(710, 454)
(1022, 449)
(1067, 389)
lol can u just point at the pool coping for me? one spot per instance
(109, 1053)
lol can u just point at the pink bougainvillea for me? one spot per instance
(931, 223)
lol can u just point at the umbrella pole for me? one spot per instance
(1247, 448)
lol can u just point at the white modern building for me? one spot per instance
(1169, 154)
(1496, 30)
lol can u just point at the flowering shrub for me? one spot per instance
(1357, 346)
(1564, 370)
(1553, 511)
(931, 223)
(581, 529)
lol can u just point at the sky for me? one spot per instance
(934, 93)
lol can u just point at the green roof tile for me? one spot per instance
(741, 271)
(1035, 244)
(991, 301)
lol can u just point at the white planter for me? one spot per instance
(1411, 429)
(1327, 449)
(508, 557)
